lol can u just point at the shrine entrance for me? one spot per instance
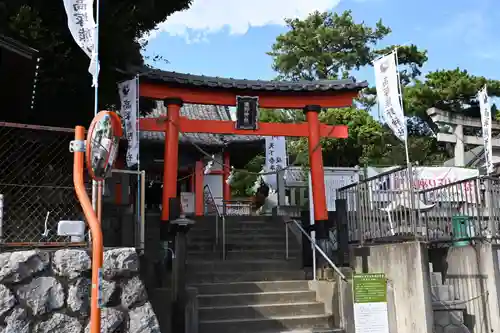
(248, 96)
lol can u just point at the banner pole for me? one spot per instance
(95, 79)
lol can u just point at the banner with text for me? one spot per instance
(424, 180)
(275, 158)
(129, 112)
(83, 28)
(485, 106)
(387, 85)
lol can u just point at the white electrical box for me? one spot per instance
(75, 229)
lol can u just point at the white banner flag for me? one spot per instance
(386, 81)
(485, 106)
(275, 158)
(83, 28)
(129, 108)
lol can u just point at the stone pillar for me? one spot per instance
(459, 146)
(471, 271)
(406, 267)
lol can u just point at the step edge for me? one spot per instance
(270, 318)
(289, 292)
(246, 272)
(232, 261)
(258, 305)
(248, 282)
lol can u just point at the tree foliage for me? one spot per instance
(324, 46)
(65, 96)
(449, 90)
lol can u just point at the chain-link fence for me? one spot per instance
(36, 182)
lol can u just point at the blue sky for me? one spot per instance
(230, 38)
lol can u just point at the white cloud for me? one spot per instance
(206, 17)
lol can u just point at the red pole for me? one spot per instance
(171, 156)
(198, 183)
(226, 188)
(95, 231)
(316, 163)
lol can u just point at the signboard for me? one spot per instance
(247, 112)
(275, 159)
(187, 202)
(370, 303)
(129, 97)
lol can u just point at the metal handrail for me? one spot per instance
(218, 216)
(212, 197)
(313, 243)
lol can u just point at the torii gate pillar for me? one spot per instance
(171, 155)
(316, 163)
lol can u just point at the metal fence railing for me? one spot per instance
(392, 207)
(36, 182)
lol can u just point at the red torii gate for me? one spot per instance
(311, 96)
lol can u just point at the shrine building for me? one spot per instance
(228, 150)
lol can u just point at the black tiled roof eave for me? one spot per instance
(181, 79)
(17, 47)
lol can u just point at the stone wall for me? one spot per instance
(49, 291)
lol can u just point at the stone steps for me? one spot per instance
(239, 230)
(241, 265)
(269, 324)
(231, 254)
(250, 287)
(237, 237)
(244, 276)
(246, 245)
(255, 290)
(258, 311)
(271, 297)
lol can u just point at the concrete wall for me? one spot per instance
(49, 291)
(407, 270)
(473, 273)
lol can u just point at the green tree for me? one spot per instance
(243, 182)
(65, 96)
(365, 134)
(324, 46)
(329, 46)
(449, 90)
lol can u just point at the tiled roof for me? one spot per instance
(17, 47)
(229, 83)
(198, 111)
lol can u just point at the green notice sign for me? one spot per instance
(369, 288)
